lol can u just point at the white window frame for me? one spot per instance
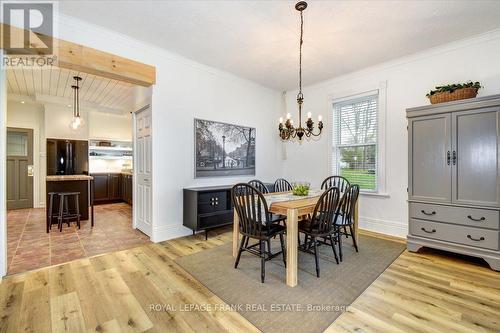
(381, 90)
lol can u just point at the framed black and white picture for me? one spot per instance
(223, 149)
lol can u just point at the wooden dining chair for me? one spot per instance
(275, 218)
(259, 185)
(282, 185)
(339, 182)
(255, 223)
(335, 181)
(344, 217)
(319, 226)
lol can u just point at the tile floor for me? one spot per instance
(30, 247)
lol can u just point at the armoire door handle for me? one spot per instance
(448, 157)
(454, 158)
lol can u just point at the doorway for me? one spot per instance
(143, 174)
(19, 168)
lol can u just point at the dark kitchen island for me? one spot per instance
(73, 183)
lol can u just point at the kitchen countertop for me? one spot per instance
(125, 173)
(61, 178)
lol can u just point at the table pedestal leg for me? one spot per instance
(291, 247)
(236, 233)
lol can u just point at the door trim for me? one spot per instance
(31, 180)
(135, 203)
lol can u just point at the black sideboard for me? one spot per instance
(209, 207)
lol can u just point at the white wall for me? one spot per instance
(184, 90)
(57, 123)
(408, 80)
(31, 115)
(109, 126)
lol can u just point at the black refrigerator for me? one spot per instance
(67, 157)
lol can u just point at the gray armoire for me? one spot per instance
(454, 177)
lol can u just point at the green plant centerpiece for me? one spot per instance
(300, 189)
(452, 87)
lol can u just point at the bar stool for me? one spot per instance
(50, 213)
(63, 213)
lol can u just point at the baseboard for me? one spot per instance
(392, 228)
(383, 236)
(166, 232)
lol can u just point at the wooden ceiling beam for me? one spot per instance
(86, 59)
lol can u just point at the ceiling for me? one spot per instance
(258, 40)
(54, 85)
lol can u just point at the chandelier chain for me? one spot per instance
(286, 128)
(300, 51)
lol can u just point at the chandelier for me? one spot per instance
(77, 121)
(286, 130)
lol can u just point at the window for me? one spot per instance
(355, 140)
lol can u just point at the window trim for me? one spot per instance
(351, 94)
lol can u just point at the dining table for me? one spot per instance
(293, 208)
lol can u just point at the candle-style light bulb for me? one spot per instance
(309, 115)
(281, 120)
(320, 118)
(288, 116)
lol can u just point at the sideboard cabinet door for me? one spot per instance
(429, 177)
(476, 178)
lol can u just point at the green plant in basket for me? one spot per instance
(300, 189)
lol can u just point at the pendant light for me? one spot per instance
(77, 120)
(286, 129)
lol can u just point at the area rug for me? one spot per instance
(313, 304)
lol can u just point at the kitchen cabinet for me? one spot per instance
(127, 188)
(112, 187)
(114, 184)
(101, 192)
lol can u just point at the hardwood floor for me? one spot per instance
(427, 292)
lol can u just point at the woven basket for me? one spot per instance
(458, 94)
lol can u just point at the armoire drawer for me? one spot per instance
(484, 238)
(474, 217)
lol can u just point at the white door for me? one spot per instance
(142, 171)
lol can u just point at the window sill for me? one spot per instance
(375, 194)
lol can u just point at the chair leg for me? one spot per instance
(239, 252)
(49, 215)
(77, 206)
(66, 208)
(353, 238)
(262, 248)
(334, 251)
(61, 212)
(283, 250)
(246, 243)
(307, 243)
(269, 246)
(339, 240)
(345, 233)
(316, 255)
